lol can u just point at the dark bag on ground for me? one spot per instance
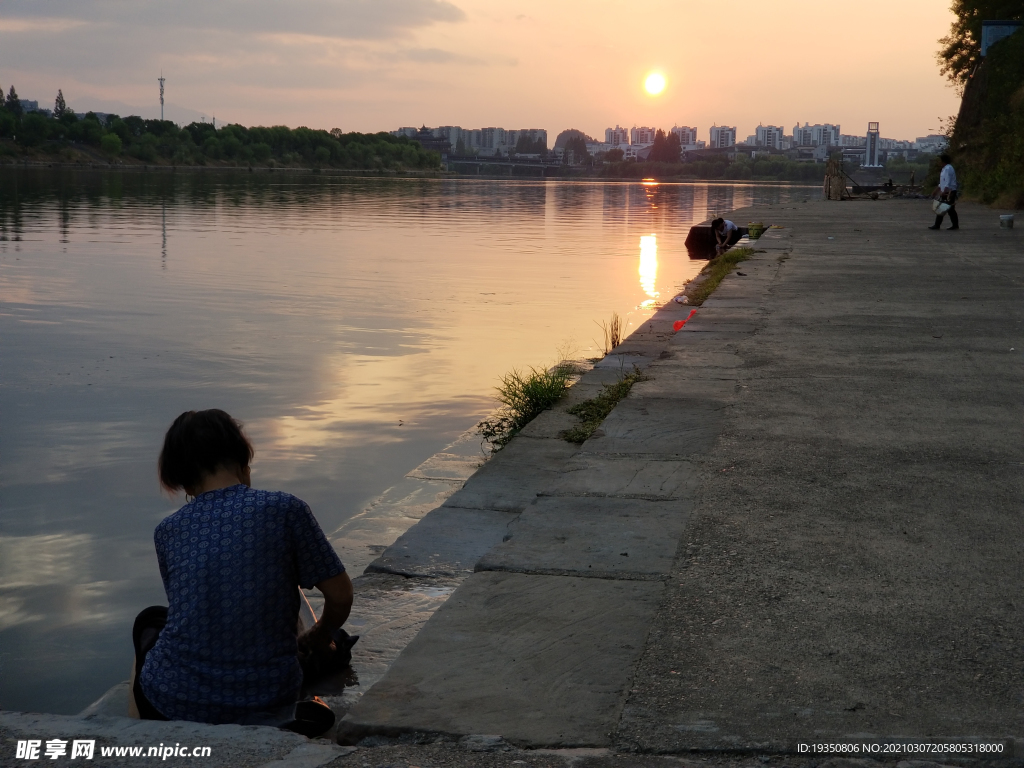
(319, 665)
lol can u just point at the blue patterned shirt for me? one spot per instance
(232, 561)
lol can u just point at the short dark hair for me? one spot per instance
(944, 157)
(199, 442)
(716, 223)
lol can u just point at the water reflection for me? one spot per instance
(163, 235)
(355, 325)
(649, 268)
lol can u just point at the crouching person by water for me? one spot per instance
(232, 560)
(727, 235)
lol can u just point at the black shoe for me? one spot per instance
(934, 227)
(952, 227)
(312, 718)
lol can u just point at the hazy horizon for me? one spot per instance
(365, 66)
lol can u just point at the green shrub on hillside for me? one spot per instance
(987, 142)
(111, 144)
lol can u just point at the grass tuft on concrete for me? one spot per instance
(523, 396)
(612, 332)
(592, 412)
(714, 272)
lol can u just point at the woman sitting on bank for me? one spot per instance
(232, 560)
(727, 235)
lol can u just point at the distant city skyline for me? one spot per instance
(501, 140)
(369, 67)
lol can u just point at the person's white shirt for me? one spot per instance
(728, 226)
(947, 179)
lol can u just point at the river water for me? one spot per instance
(356, 326)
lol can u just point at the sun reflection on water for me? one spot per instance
(649, 268)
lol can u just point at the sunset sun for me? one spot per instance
(655, 83)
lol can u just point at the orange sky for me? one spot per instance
(363, 65)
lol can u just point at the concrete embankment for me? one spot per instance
(806, 525)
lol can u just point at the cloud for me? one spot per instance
(349, 19)
(39, 25)
(437, 56)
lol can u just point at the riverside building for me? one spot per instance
(687, 137)
(617, 136)
(818, 135)
(768, 136)
(489, 142)
(641, 137)
(722, 136)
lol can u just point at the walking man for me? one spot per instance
(946, 192)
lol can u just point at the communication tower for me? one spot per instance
(161, 81)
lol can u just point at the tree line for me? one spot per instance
(162, 141)
(986, 139)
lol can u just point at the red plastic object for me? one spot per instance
(680, 323)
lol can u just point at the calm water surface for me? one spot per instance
(356, 326)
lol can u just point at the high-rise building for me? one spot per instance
(483, 141)
(818, 135)
(641, 136)
(826, 135)
(453, 133)
(617, 136)
(722, 136)
(533, 134)
(768, 136)
(687, 136)
(803, 137)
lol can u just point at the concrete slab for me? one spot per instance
(624, 477)
(713, 335)
(689, 382)
(592, 537)
(512, 479)
(694, 356)
(623, 363)
(550, 423)
(362, 538)
(543, 661)
(600, 376)
(667, 427)
(740, 305)
(387, 614)
(446, 542)
(646, 344)
(711, 323)
(449, 466)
